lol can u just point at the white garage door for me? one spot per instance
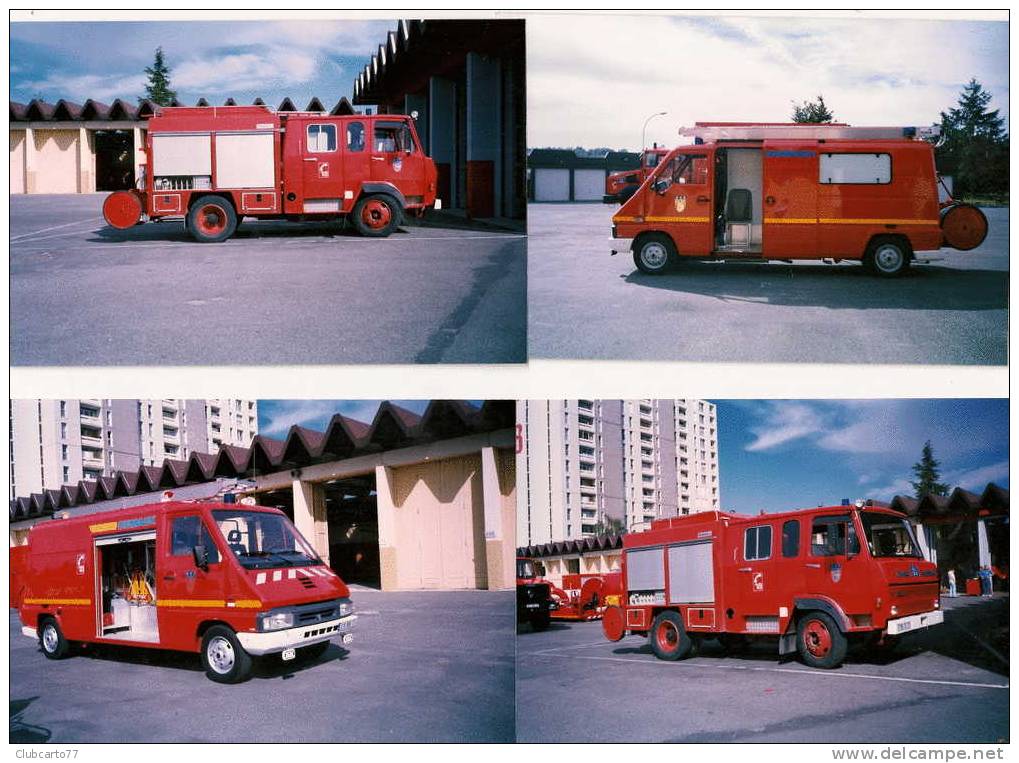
(551, 185)
(17, 161)
(440, 530)
(56, 161)
(588, 185)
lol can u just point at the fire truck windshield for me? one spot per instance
(525, 569)
(260, 540)
(889, 536)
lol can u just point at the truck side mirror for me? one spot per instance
(201, 557)
(661, 186)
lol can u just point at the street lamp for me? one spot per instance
(643, 133)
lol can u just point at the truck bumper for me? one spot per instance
(617, 245)
(30, 632)
(914, 622)
(271, 642)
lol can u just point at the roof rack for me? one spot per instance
(705, 132)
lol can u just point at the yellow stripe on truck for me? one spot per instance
(103, 528)
(60, 602)
(843, 221)
(211, 603)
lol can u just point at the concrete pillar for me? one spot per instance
(484, 122)
(921, 538)
(386, 506)
(983, 547)
(441, 142)
(494, 533)
(86, 162)
(30, 160)
(310, 516)
(418, 102)
(511, 170)
(139, 152)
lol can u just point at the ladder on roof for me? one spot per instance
(707, 132)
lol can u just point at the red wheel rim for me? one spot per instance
(211, 219)
(667, 636)
(376, 214)
(817, 638)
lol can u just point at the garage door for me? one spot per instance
(551, 185)
(56, 161)
(588, 185)
(17, 161)
(440, 525)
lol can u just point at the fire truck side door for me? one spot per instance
(356, 159)
(678, 201)
(757, 582)
(322, 167)
(187, 594)
(790, 200)
(834, 565)
(395, 157)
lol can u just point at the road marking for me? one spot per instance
(54, 227)
(800, 672)
(573, 646)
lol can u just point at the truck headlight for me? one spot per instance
(346, 607)
(277, 621)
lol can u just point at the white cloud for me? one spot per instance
(976, 479)
(83, 86)
(275, 67)
(785, 422)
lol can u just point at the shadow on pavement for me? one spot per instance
(835, 287)
(25, 733)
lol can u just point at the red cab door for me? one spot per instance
(321, 166)
(186, 593)
(835, 566)
(396, 157)
(790, 201)
(758, 582)
(679, 201)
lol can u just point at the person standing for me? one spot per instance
(951, 584)
(985, 580)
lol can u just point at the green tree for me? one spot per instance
(158, 88)
(812, 112)
(928, 474)
(974, 149)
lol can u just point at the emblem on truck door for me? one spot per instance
(680, 203)
(758, 581)
(79, 563)
(836, 572)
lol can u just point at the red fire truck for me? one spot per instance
(814, 579)
(584, 596)
(620, 186)
(228, 581)
(756, 192)
(212, 166)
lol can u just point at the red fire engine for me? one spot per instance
(213, 166)
(620, 186)
(584, 596)
(794, 192)
(228, 581)
(814, 579)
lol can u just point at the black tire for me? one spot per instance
(52, 641)
(211, 219)
(541, 622)
(819, 641)
(669, 639)
(887, 257)
(376, 216)
(313, 652)
(223, 657)
(654, 253)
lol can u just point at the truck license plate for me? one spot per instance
(289, 654)
(533, 606)
(348, 637)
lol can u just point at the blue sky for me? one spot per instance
(594, 78)
(777, 455)
(215, 60)
(275, 417)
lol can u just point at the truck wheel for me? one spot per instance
(52, 640)
(887, 257)
(376, 216)
(820, 642)
(314, 651)
(211, 219)
(669, 639)
(541, 622)
(654, 253)
(223, 657)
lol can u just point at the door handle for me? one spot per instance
(745, 569)
(310, 159)
(169, 577)
(769, 200)
(703, 199)
(813, 565)
(378, 158)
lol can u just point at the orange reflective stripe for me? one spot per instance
(60, 602)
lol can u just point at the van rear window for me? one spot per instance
(855, 169)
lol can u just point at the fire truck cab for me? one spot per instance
(795, 192)
(620, 186)
(814, 579)
(228, 581)
(534, 595)
(213, 166)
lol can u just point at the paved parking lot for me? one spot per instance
(85, 294)
(585, 303)
(424, 666)
(573, 685)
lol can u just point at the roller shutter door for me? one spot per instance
(551, 185)
(588, 185)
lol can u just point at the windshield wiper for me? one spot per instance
(262, 554)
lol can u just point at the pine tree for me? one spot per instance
(158, 88)
(812, 112)
(975, 146)
(927, 474)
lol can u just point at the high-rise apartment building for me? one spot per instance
(57, 442)
(594, 466)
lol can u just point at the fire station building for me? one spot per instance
(406, 502)
(466, 81)
(558, 174)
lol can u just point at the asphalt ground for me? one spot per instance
(83, 293)
(940, 686)
(423, 667)
(584, 303)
